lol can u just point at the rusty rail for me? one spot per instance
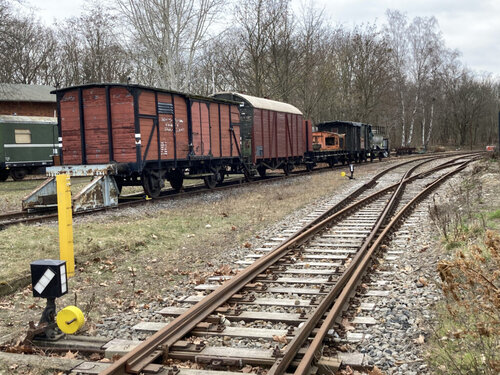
(357, 270)
(138, 359)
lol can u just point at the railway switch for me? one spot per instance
(49, 281)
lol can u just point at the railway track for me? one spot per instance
(298, 284)
(35, 217)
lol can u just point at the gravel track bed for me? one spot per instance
(404, 314)
(120, 325)
(396, 344)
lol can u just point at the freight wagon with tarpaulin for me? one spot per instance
(133, 135)
(274, 135)
(28, 144)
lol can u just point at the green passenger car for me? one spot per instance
(27, 145)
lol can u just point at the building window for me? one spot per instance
(23, 135)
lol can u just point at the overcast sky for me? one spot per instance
(471, 26)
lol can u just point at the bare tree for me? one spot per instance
(316, 58)
(425, 48)
(467, 105)
(168, 34)
(92, 51)
(395, 34)
(27, 48)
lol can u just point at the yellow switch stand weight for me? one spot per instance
(70, 319)
(65, 216)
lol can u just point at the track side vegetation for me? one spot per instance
(466, 337)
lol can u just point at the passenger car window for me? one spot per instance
(23, 135)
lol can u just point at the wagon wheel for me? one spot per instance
(220, 176)
(152, 183)
(4, 175)
(18, 174)
(210, 181)
(287, 169)
(309, 167)
(262, 171)
(332, 162)
(249, 175)
(176, 178)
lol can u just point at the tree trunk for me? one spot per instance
(430, 126)
(403, 123)
(412, 123)
(423, 127)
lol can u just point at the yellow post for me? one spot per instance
(64, 211)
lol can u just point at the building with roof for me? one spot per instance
(27, 100)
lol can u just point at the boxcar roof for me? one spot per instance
(8, 119)
(353, 123)
(10, 92)
(191, 96)
(262, 103)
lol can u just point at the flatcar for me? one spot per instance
(27, 145)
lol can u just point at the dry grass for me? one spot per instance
(467, 332)
(12, 192)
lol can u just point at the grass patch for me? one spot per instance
(140, 254)
(12, 192)
(453, 245)
(495, 215)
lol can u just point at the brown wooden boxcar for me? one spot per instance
(148, 134)
(274, 134)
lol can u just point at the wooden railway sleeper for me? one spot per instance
(186, 346)
(210, 327)
(258, 287)
(265, 276)
(174, 370)
(218, 362)
(181, 325)
(242, 298)
(225, 310)
(152, 368)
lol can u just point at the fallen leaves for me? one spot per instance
(224, 270)
(70, 355)
(423, 281)
(375, 371)
(347, 325)
(420, 340)
(280, 339)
